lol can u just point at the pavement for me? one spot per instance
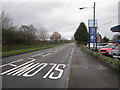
(64, 66)
(88, 72)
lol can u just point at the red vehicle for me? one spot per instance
(107, 48)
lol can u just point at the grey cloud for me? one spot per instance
(63, 17)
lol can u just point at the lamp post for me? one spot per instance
(93, 24)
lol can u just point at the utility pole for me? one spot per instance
(95, 28)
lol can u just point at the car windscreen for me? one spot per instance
(110, 46)
(118, 47)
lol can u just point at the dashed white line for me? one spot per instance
(46, 55)
(50, 51)
(37, 55)
(55, 50)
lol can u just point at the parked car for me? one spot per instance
(115, 52)
(107, 48)
(99, 46)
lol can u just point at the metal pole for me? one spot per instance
(89, 37)
(95, 27)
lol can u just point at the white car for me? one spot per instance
(115, 52)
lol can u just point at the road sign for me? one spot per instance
(92, 30)
(91, 23)
(92, 35)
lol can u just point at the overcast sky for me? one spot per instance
(63, 16)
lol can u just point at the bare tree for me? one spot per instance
(5, 20)
(28, 29)
(42, 34)
(55, 36)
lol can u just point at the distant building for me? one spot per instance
(55, 36)
(99, 38)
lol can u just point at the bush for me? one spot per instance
(112, 62)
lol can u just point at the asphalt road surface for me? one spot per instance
(52, 68)
(46, 68)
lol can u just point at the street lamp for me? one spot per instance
(93, 23)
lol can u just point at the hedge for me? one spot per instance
(112, 62)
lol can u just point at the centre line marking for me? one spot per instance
(46, 55)
(37, 55)
(55, 50)
(50, 51)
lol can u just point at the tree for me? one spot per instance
(42, 34)
(105, 39)
(116, 37)
(6, 20)
(81, 34)
(26, 35)
(7, 28)
(55, 36)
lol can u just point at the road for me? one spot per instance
(59, 67)
(46, 68)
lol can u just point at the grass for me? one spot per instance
(14, 52)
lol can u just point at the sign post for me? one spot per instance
(92, 32)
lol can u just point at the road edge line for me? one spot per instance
(69, 66)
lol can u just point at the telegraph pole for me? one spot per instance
(95, 27)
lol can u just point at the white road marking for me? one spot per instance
(69, 66)
(46, 55)
(27, 69)
(11, 63)
(17, 67)
(29, 75)
(50, 51)
(30, 69)
(55, 50)
(54, 65)
(37, 55)
(51, 76)
(17, 71)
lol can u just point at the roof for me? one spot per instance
(115, 29)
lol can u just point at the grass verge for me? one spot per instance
(15, 52)
(112, 62)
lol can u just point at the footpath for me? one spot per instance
(87, 72)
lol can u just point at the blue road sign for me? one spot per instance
(92, 31)
(92, 35)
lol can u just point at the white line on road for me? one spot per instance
(55, 50)
(54, 65)
(46, 55)
(17, 67)
(50, 51)
(37, 55)
(11, 63)
(69, 66)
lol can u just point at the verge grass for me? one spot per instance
(20, 51)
